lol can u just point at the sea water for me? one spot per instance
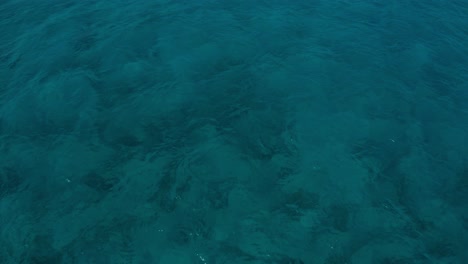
(284, 131)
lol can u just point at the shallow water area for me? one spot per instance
(233, 131)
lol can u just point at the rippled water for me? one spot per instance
(233, 131)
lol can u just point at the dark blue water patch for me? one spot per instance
(10, 181)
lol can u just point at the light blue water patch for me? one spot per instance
(233, 131)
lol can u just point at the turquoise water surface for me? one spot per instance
(282, 131)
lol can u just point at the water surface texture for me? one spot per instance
(222, 132)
